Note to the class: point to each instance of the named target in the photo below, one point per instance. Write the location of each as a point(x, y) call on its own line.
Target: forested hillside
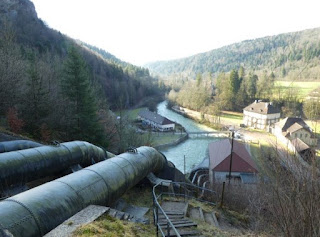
point(53, 87)
point(286, 55)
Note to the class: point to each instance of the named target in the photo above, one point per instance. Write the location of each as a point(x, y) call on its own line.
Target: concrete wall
point(178, 141)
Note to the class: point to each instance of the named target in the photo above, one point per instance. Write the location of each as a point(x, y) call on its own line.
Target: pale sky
point(141, 31)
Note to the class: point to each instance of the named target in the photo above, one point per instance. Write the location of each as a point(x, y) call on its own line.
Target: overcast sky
point(141, 31)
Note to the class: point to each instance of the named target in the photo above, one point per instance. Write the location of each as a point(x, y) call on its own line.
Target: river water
point(194, 149)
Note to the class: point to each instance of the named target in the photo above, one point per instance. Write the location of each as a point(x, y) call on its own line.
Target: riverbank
point(227, 119)
point(173, 143)
point(190, 152)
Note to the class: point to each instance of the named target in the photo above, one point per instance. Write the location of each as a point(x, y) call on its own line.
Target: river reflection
point(194, 149)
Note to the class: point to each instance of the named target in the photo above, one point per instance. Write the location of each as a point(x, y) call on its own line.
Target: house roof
point(154, 117)
point(299, 145)
point(294, 127)
point(220, 155)
point(262, 108)
point(291, 124)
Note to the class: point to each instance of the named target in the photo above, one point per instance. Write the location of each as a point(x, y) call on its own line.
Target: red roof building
point(243, 167)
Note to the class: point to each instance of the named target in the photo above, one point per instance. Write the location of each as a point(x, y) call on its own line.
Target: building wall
point(167, 127)
point(302, 133)
point(305, 136)
point(260, 121)
point(220, 177)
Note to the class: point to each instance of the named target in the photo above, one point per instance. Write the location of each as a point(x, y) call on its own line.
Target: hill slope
point(30, 33)
point(284, 54)
point(37, 92)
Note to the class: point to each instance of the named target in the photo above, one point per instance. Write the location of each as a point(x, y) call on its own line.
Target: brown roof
point(292, 124)
point(294, 127)
point(262, 108)
point(220, 155)
point(299, 145)
point(157, 118)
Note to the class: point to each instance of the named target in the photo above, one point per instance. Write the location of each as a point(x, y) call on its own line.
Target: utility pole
point(232, 136)
point(184, 164)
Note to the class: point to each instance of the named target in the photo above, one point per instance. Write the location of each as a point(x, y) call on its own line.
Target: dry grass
point(107, 226)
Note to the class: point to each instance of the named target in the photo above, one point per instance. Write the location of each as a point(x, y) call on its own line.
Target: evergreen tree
point(242, 73)
point(234, 82)
point(252, 86)
point(35, 106)
point(82, 117)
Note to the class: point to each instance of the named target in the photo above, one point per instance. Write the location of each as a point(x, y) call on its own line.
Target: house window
point(306, 135)
point(300, 135)
point(296, 135)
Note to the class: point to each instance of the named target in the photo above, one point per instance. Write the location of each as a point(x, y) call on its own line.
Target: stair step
point(185, 233)
point(171, 217)
point(184, 225)
point(174, 212)
point(173, 206)
point(176, 222)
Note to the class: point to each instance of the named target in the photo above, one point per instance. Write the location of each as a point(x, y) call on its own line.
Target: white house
point(293, 128)
point(156, 121)
point(260, 115)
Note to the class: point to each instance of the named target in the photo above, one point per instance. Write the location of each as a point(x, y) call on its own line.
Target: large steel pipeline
point(39, 210)
point(17, 145)
point(20, 167)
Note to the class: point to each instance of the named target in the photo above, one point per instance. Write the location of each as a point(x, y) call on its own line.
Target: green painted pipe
point(39, 210)
point(20, 167)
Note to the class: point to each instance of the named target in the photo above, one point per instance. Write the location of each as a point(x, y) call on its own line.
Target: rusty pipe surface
point(39, 210)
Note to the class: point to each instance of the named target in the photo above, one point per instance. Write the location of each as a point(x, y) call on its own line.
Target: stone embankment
point(174, 143)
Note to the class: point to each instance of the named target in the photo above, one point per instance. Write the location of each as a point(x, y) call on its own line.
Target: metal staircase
point(170, 206)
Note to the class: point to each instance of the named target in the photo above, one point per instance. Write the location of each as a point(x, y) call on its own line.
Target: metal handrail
point(158, 207)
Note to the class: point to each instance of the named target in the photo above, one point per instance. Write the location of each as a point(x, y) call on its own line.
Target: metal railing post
point(157, 216)
point(161, 192)
point(168, 229)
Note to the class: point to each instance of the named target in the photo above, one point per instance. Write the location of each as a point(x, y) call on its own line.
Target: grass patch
point(315, 126)
point(139, 196)
point(130, 114)
point(236, 218)
point(107, 226)
point(204, 206)
point(303, 89)
point(164, 138)
point(231, 117)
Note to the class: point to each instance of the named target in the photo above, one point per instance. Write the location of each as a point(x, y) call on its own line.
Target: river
point(194, 149)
